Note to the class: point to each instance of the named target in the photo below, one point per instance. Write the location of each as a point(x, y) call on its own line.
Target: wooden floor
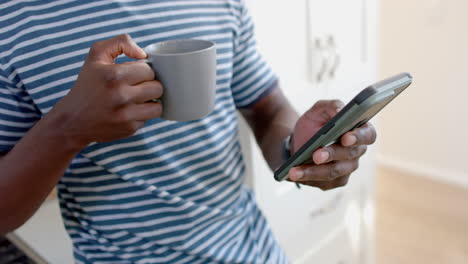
point(420, 221)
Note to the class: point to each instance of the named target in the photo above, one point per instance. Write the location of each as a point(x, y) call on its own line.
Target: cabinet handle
point(334, 55)
point(324, 59)
point(327, 58)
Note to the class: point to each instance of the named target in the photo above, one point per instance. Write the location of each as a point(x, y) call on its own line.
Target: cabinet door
point(288, 34)
point(341, 45)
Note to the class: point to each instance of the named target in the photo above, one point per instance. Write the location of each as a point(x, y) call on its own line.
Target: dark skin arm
point(30, 171)
point(273, 118)
point(108, 102)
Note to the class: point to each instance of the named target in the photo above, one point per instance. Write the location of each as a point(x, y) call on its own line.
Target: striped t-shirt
point(173, 192)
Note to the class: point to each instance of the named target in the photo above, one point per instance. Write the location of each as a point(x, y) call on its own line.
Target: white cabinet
point(301, 39)
point(43, 237)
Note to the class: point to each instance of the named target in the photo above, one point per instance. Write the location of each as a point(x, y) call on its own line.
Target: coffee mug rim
point(212, 45)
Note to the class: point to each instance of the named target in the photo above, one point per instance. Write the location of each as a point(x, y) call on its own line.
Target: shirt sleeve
point(252, 77)
point(17, 114)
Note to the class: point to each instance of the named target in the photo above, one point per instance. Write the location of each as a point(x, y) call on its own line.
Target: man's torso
point(172, 192)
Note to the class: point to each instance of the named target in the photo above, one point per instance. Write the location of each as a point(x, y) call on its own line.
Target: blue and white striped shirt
point(173, 192)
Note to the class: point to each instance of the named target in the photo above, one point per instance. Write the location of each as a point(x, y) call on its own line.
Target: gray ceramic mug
point(187, 70)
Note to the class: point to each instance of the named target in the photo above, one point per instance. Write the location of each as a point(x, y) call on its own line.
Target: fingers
point(324, 110)
point(135, 73)
point(132, 83)
point(142, 112)
point(106, 51)
point(325, 172)
point(364, 135)
point(325, 186)
point(127, 73)
point(338, 152)
point(146, 91)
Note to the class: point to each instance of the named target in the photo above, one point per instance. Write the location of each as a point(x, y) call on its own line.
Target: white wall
point(425, 131)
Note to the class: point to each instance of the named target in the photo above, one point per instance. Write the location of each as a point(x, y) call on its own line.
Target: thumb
point(106, 51)
point(324, 110)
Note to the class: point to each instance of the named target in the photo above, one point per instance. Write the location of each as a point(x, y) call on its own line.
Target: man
point(135, 188)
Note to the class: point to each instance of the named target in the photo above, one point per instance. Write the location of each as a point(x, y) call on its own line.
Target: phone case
point(356, 113)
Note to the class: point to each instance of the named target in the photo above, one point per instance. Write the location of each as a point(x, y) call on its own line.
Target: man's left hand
point(332, 165)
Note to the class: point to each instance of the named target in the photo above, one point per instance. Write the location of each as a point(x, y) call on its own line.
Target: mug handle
point(147, 62)
point(155, 100)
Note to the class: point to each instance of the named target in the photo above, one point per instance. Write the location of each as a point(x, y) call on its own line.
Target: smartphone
point(356, 113)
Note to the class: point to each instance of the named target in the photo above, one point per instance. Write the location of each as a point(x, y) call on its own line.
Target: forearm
point(272, 120)
point(271, 143)
point(31, 170)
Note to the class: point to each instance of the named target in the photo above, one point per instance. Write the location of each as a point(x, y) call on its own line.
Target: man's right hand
point(109, 101)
